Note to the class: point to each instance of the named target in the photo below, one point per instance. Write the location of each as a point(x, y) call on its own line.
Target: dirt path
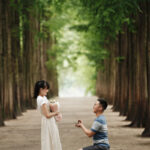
point(24, 133)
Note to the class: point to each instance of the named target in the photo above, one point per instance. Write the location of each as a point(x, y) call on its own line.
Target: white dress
point(50, 139)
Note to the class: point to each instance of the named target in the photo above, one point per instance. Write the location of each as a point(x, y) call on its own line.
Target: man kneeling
point(99, 128)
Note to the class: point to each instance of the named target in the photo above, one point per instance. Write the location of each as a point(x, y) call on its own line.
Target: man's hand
point(88, 132)
point(79, 124)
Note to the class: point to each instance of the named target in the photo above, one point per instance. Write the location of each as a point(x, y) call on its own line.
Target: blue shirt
point(100, 128)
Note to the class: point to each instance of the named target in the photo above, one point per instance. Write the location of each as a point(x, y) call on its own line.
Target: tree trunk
point(1, 69)
point(146, 132)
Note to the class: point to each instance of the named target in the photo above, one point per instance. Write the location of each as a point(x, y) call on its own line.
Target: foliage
point(85, 27)
point(80, 28)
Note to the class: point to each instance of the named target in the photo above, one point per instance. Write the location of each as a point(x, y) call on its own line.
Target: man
point(99, 128)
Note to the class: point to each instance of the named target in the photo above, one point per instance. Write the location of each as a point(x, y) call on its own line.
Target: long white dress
point(50, 139)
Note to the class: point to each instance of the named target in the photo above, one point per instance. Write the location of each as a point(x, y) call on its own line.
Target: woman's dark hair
point(40, 84)
point(103, 102)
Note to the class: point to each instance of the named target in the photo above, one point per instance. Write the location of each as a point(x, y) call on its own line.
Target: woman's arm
point(48, 114)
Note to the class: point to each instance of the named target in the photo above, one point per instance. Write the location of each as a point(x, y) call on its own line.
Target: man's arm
point(88, 132)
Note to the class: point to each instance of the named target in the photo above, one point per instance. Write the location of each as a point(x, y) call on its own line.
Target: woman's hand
point(56, 113)
point(46, 112)
point(55, 109)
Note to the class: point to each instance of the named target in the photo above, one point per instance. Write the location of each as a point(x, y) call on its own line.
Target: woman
point(50, 139)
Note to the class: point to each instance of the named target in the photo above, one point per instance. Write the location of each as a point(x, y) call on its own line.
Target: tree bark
point(146, 132)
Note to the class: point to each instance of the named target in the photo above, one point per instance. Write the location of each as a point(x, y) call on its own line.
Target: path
point(24, 133)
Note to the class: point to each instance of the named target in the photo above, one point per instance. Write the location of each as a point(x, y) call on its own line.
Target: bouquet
point(55, 107)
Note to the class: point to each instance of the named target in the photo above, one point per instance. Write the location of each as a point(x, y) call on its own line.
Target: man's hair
point(103, 102)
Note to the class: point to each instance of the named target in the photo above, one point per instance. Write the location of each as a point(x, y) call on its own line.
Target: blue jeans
point(96, 147)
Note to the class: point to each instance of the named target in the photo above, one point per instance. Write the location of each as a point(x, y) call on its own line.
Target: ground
point(24, 132)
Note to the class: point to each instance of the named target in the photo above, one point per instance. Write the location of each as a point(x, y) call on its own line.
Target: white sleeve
point(40, 102)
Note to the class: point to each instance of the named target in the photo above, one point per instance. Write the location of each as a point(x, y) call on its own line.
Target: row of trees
point(125, 81)
point(24, 43)
point(116, 40)
point(114, 35)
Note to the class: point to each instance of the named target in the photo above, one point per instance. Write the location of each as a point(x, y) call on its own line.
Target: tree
point(23, 52)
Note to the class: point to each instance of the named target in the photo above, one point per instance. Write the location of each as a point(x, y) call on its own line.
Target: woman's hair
point(40, 84)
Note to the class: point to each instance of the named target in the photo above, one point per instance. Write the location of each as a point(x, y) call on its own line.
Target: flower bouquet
point(55, 107)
